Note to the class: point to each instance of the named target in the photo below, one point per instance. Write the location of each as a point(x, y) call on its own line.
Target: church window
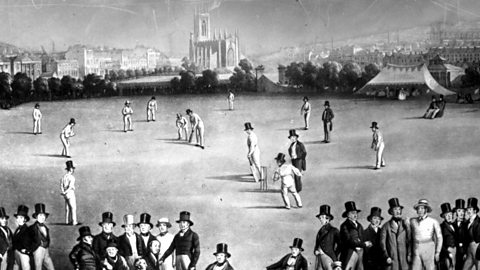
point(204, 28)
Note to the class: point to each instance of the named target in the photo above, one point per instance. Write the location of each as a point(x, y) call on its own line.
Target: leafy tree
point(175, 84)
point(54, 86)
point(130, 74)
point(66, 86)
point(310, 74)
point(5, 90)
point(21, 86)
point(187, 81)
point(350, 74)
point(138, 73)
point(332, 73)
point(471, 77)
point(208, 82)
point(92, 85)
point(40, 85)
point(122, 74)
point(371, 70)
point(240, 80)
point(295, 73)
point(113, 75)
point(188, 64)
point(245, 65)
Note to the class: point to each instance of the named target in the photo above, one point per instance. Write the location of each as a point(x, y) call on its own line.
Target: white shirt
point(37, 114)
point(133, 243)
point(195, 120)
point(252, 142)
point(231, 97)
point(67, 184)
point(426, 230)
point(127, 111)
point(182, 122)
point(377, 138)
point(152, 104)
point(306, 107)
point(67, 131)
point(294, 153)
point(165, 242)
point(286, 172)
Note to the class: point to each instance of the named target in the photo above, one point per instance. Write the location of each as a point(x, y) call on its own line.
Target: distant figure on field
point(441, 103)
point(127, 117)
point(298, 154)
point(253, 154)
point(151, 109)
point(65, 135)
point(197, 128)
point(305, 111)
point(37, 120)
point(432, 109)
point(378, 145)
point(327, 118)
point(67, 186)
point(231, 98)
point(182, 126)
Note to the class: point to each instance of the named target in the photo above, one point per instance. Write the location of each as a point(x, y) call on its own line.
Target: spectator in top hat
point(253, 154)
point(65, 135)
point(222, 256)
point(182, 127)
point(327, 244)
point(151, 109)
point(113, 260)
point(286, 172)
point(378, 145)
point(67, 186)
point(186, 245)
point(373, 256)
point(327, 117)
point(351, 235)
point(22, 240)
point(41, 239)
point(37, 120)
point(298, 154)
point(152, 255)
point(145, 227)
point(426, 237)
point(130, 243)
point(473, 235)
point(101, 240)
point(305, 111)
point(197, 128)
point(231, 98)
point(460, 232)
point(5, 240)
point(395, 239)
point(449, 250)
point(165, 238)
point(83, 257)
point(127, 117)
point(293, 260)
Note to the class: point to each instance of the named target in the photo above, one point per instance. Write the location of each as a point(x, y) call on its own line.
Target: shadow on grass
point(175, 141)
point(223, 110)
point(470, 111)
point(365, 167)
point(115, 130)
point(414, 118)
point(234, 177)
point(298, 128)
point(315, 142)
point(19, 132)
point(50, 155)
point(141, 121)
point(261, 191)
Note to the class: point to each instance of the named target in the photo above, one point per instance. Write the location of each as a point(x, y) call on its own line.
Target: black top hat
point(84, 231)
point(327, 103)
point(188, 111)
point(69, 165)
point(222, 248)
point(472, 202)
point(107, 217)
point(393, 202)
point(153, 97)
point(446, 208)
point(459, 204)
point(350, 206)
point(3, 214)
point(280, 157)
point(305, 98)
point(145, 218)
point(185, 216)
point(248, 126)
point(292, 132)
point(374, 125)
point(72, 121)
point(39, 209)
point(37, 105)
point(375, 212)
point(22, 211)
point(325, 210)
point(297, 243)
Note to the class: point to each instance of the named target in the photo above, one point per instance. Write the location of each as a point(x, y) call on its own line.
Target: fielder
point(305, 111)
point(197, 127)
point(127, 117)
point(182, 127)
point(378, 145)
point(231, 98)
point(67, 187)
point(37, 120)
point(253, 155)
point(65, 135)
point(151, 109)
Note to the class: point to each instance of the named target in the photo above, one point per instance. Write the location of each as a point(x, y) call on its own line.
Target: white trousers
point(291, 189)
point(41, 258)
point(380, 159)
point(150, 114)
point(70, 208)
point(66, 145)
point(37, 126)
point(127, 122)
point(22, 261)
point(254, 161)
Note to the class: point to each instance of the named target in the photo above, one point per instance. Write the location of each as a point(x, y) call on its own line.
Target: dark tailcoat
point(124, 247)
point(373, 256)
point(5, 241)
point(84, 258)
point(461, 242)
point(328, 239)
point(152, 264)
point(396, 244)
point(228, 266)
point(300, 264)
point(100, 243)
point(351, 238)
point(144, 248)
point(300, 162)
point(22, 239)
point(38, 237)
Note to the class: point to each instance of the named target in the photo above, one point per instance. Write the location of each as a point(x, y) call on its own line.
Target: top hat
point(69, 165)
point(292, 132)
point(375, 212)
point(128, 220)
point(248, 126)
point(222, 248)
point(472, 202)
point(39, 209)
point(305, 98)
point(3, 214)
point(164, 220)
point(459, 204)
point(107, 217)
point(127, 102)
point(280, 157)
point(350, 206)
point(325, 210)
point(145, 218)
point(153, 97)
point(374, 125)
point(188, 111)
point(72, 121)
point(112, 243)
point(185, 216)
point(424, 203)
point(37, 105)
point(393, 202)
point(84, 231)
point(297, 243)
point(327, 103)
point(446, 208)
point(22, 211)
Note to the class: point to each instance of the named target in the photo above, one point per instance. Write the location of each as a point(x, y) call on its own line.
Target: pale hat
point(128, 220)
point(164, 220)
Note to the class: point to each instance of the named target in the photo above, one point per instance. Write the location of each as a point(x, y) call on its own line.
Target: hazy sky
point(264, 25)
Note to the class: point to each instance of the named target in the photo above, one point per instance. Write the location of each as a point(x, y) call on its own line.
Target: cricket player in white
point(253, 155)
point(286, 172)
point(67, 186)
point(67, 132)
point(182, 127)
point(197, 128)
point(378, 145)
point(305, 111)
point(151, 109)
point(127, 117)
point(37, 120)
point(231, 98)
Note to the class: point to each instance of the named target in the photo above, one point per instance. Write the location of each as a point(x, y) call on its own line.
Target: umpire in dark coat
point(351, 235)
point(101, 240)
point(22, 239)
point(298, 154)
point(327, 244)
point(373, 256)
point(82, 256)
point(295, 259)
point(460, 232)
point(449, 249)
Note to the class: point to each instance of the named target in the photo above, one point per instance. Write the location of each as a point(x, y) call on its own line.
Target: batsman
point(253, 152)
